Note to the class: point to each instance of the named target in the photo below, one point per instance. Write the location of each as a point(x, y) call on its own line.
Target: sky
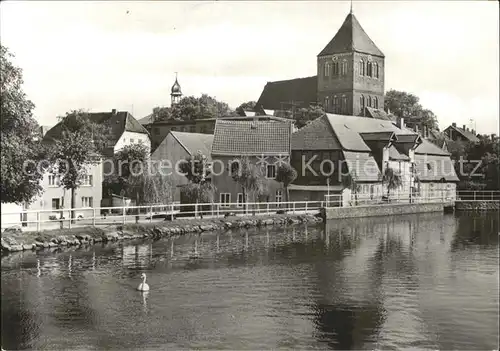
point(104, 55)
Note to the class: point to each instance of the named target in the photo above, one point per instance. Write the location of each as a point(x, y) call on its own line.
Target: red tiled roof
point(245, 138)
point(276, 95)
point(351, 37)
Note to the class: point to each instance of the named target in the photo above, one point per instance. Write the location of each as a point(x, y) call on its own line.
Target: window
point(271, 171)
point(327, 102)
point(327, 70)
point(53, 180)
point(225, 199)
point(132, 141)
point(375, 102)
point(369, 69)
point(240, 200)
point(279, 196)
point(344, 68)
point(87, 201)
point(344, 104)
point(335, 70)
point(361, 67)
point(203, 129)
point(192, 129)
point(375, 69)
point(369, 102)
point(335, 103)
point(86, 180)
point(362, 102)
point(173, 129)
point(55, 203)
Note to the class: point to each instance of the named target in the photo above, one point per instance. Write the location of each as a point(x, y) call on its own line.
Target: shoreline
point(15, 241)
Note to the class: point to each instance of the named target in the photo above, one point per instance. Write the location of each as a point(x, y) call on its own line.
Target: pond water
point(425, 281)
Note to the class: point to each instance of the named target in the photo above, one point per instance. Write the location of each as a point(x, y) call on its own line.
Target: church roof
point(351, 37)
point(278, 95)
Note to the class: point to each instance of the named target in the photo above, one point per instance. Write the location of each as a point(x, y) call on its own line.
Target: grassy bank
point(15, 240)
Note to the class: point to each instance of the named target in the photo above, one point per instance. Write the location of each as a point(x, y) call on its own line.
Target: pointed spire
point(351, 8)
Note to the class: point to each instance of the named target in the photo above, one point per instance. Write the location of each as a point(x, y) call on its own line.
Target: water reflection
point(422, 281)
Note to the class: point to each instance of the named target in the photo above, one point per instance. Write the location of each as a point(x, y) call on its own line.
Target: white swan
point(143, 286)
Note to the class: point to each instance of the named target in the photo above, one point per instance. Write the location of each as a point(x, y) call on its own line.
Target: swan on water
point(143, 286)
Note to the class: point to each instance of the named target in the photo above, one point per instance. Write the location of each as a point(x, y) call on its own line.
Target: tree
point(246, 106)
point(286, 174)
point(78, 147)
point(130, 165)
point(249, 176)
point(191, 108)
point(305, 115)
point(20, 141)
point(406, 105)
point(162, 113)
point(392, 179)
point(197, 171)
point(350, 181)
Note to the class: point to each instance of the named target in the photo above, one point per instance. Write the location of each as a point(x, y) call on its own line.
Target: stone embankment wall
point(477, 206)
point(381, 210)
point(15, 240)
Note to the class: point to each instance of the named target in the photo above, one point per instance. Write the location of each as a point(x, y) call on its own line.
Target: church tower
point(351, 71)
point(175, 93)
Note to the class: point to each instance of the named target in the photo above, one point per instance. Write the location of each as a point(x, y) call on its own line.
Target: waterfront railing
point(104, 216)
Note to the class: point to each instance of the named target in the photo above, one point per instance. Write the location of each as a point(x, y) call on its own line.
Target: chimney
point(113, 111)
point(454, 124)
point(464, 127)
point(401, 122)
point(473, 131)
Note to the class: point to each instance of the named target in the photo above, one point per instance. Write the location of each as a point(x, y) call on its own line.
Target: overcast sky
point(123, 55)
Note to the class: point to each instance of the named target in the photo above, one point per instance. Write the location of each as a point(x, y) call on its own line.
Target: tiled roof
point(396, 155)
point(118, 122)
point(363, 165)
point(245, 138)
point(465, 133)
point(276, 95)
point(435, 168)
point(379, 136)
point(317, 135)
point(377, 113)
point(146, 120)
point(194, 142)
point(351, 37)
point(348, 130)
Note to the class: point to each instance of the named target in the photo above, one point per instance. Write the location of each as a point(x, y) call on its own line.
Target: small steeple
point(351, 8)
point(175, 92)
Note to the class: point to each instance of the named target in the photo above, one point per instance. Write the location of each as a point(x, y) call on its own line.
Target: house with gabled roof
point(461, 134)
point(176, 147)
point(124, 130)
point(266, 142)
point(330, 147)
